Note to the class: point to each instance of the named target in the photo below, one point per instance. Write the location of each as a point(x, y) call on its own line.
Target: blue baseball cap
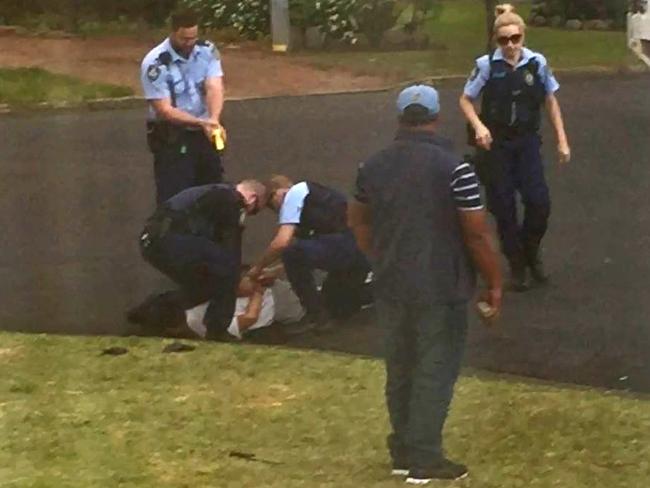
point(423, 95)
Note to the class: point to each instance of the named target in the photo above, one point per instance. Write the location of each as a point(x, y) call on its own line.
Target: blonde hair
point(503, 8)
point(509, 18)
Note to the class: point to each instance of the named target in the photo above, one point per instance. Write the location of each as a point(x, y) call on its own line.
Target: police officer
point(195, 239)
point(418, 215)
point(182, 81)
point(515, 83)
point(313, 234)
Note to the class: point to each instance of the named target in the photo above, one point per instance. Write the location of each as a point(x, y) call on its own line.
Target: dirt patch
point(7, 354)
point(249, 71)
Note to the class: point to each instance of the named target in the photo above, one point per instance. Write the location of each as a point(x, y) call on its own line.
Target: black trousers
point(190, 160)
point(204, 270)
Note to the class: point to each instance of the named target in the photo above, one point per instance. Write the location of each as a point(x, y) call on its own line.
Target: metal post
point(280, 25)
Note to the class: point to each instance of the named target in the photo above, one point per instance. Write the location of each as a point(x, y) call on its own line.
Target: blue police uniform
point(511, 104)
point(324, 242)
point(195, 239)
point(183, 156)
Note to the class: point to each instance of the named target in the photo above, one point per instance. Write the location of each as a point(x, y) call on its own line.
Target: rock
point(333, 44)
point(8, 30)
point(361, 42)
point(395, 39)
point(400, 39)
point(296, 38)
point(314, 38)
point(57, 34)
point(540, 21)
point(421, 40)
point(573, 24)
point(595, 25)
point(556, 21)
point(542, 8)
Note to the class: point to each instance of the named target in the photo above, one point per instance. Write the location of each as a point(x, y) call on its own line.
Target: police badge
point(529, 78)
point(153, 72)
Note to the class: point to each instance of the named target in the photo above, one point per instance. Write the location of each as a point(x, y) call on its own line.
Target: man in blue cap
point(418, 216)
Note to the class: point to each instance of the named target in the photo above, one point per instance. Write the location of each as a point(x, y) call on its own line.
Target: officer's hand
point(209, 126)
point(483, 138)
point(254, 273)
point(564, 152)
point(489, 305)
point(266, 279)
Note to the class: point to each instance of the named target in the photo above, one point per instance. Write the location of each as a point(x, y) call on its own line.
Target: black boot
point(518, 277)
point(536, 265)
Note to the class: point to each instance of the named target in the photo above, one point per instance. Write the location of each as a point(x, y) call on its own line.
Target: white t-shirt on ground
point(279, 304)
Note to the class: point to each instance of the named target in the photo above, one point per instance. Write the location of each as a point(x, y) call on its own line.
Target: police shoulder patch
point(153, 72)
point(474, 74)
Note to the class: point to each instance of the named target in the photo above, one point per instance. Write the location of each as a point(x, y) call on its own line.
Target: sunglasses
point(505, 40)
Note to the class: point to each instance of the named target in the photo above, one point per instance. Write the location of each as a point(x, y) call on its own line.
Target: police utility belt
point(161, 133)
point(165, 221)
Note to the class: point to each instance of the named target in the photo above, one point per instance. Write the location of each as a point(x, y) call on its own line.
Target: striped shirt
point(465, 189)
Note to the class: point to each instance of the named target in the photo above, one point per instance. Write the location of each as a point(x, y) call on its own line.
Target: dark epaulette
point(164, 58)
point(208, 44)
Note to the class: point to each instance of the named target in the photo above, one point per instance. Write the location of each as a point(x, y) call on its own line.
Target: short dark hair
point(415, 115)
point(184, 18)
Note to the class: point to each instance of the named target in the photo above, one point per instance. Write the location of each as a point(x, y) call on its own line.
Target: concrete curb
point(139, 102)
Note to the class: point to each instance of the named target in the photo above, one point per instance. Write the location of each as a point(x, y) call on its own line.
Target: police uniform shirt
point(294, 202)
point(481, 73)
point(216, 209)
point(161, 72)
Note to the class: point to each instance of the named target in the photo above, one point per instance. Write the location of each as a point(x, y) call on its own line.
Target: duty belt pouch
point(161, 135)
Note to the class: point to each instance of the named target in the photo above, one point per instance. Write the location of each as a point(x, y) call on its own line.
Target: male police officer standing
point(515, 83)
point(418, 215)
point(182, 80)
point(313, 234)
point(195, 239)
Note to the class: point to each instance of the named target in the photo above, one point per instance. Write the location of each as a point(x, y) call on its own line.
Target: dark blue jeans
point(346, 268)
point(516, 166)
point(189, 161)
point(423, 352)
point(204, 271)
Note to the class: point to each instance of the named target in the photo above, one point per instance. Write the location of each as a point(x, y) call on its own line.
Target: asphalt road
point(76, 188)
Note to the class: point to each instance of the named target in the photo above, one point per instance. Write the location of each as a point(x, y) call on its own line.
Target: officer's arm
point(166, 111)
point(280, 242)
point(555, 117)
point(482, 249)
point(360, 221)
point(214, 95)
point(469, 110)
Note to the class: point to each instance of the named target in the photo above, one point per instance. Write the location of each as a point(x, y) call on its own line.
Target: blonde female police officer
point(514, 83)
point(182, 81)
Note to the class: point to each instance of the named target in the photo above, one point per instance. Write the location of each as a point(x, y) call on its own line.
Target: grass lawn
point(29, 86)
point(458, 37)
point(72, 418)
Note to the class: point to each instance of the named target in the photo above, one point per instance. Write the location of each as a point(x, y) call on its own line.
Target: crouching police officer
point(313, 234)
point(182, 81)
point(195, 239)
point(515, 83)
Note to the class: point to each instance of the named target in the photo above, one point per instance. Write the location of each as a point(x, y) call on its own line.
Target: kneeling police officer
point(313, 234)
point(195, 238)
